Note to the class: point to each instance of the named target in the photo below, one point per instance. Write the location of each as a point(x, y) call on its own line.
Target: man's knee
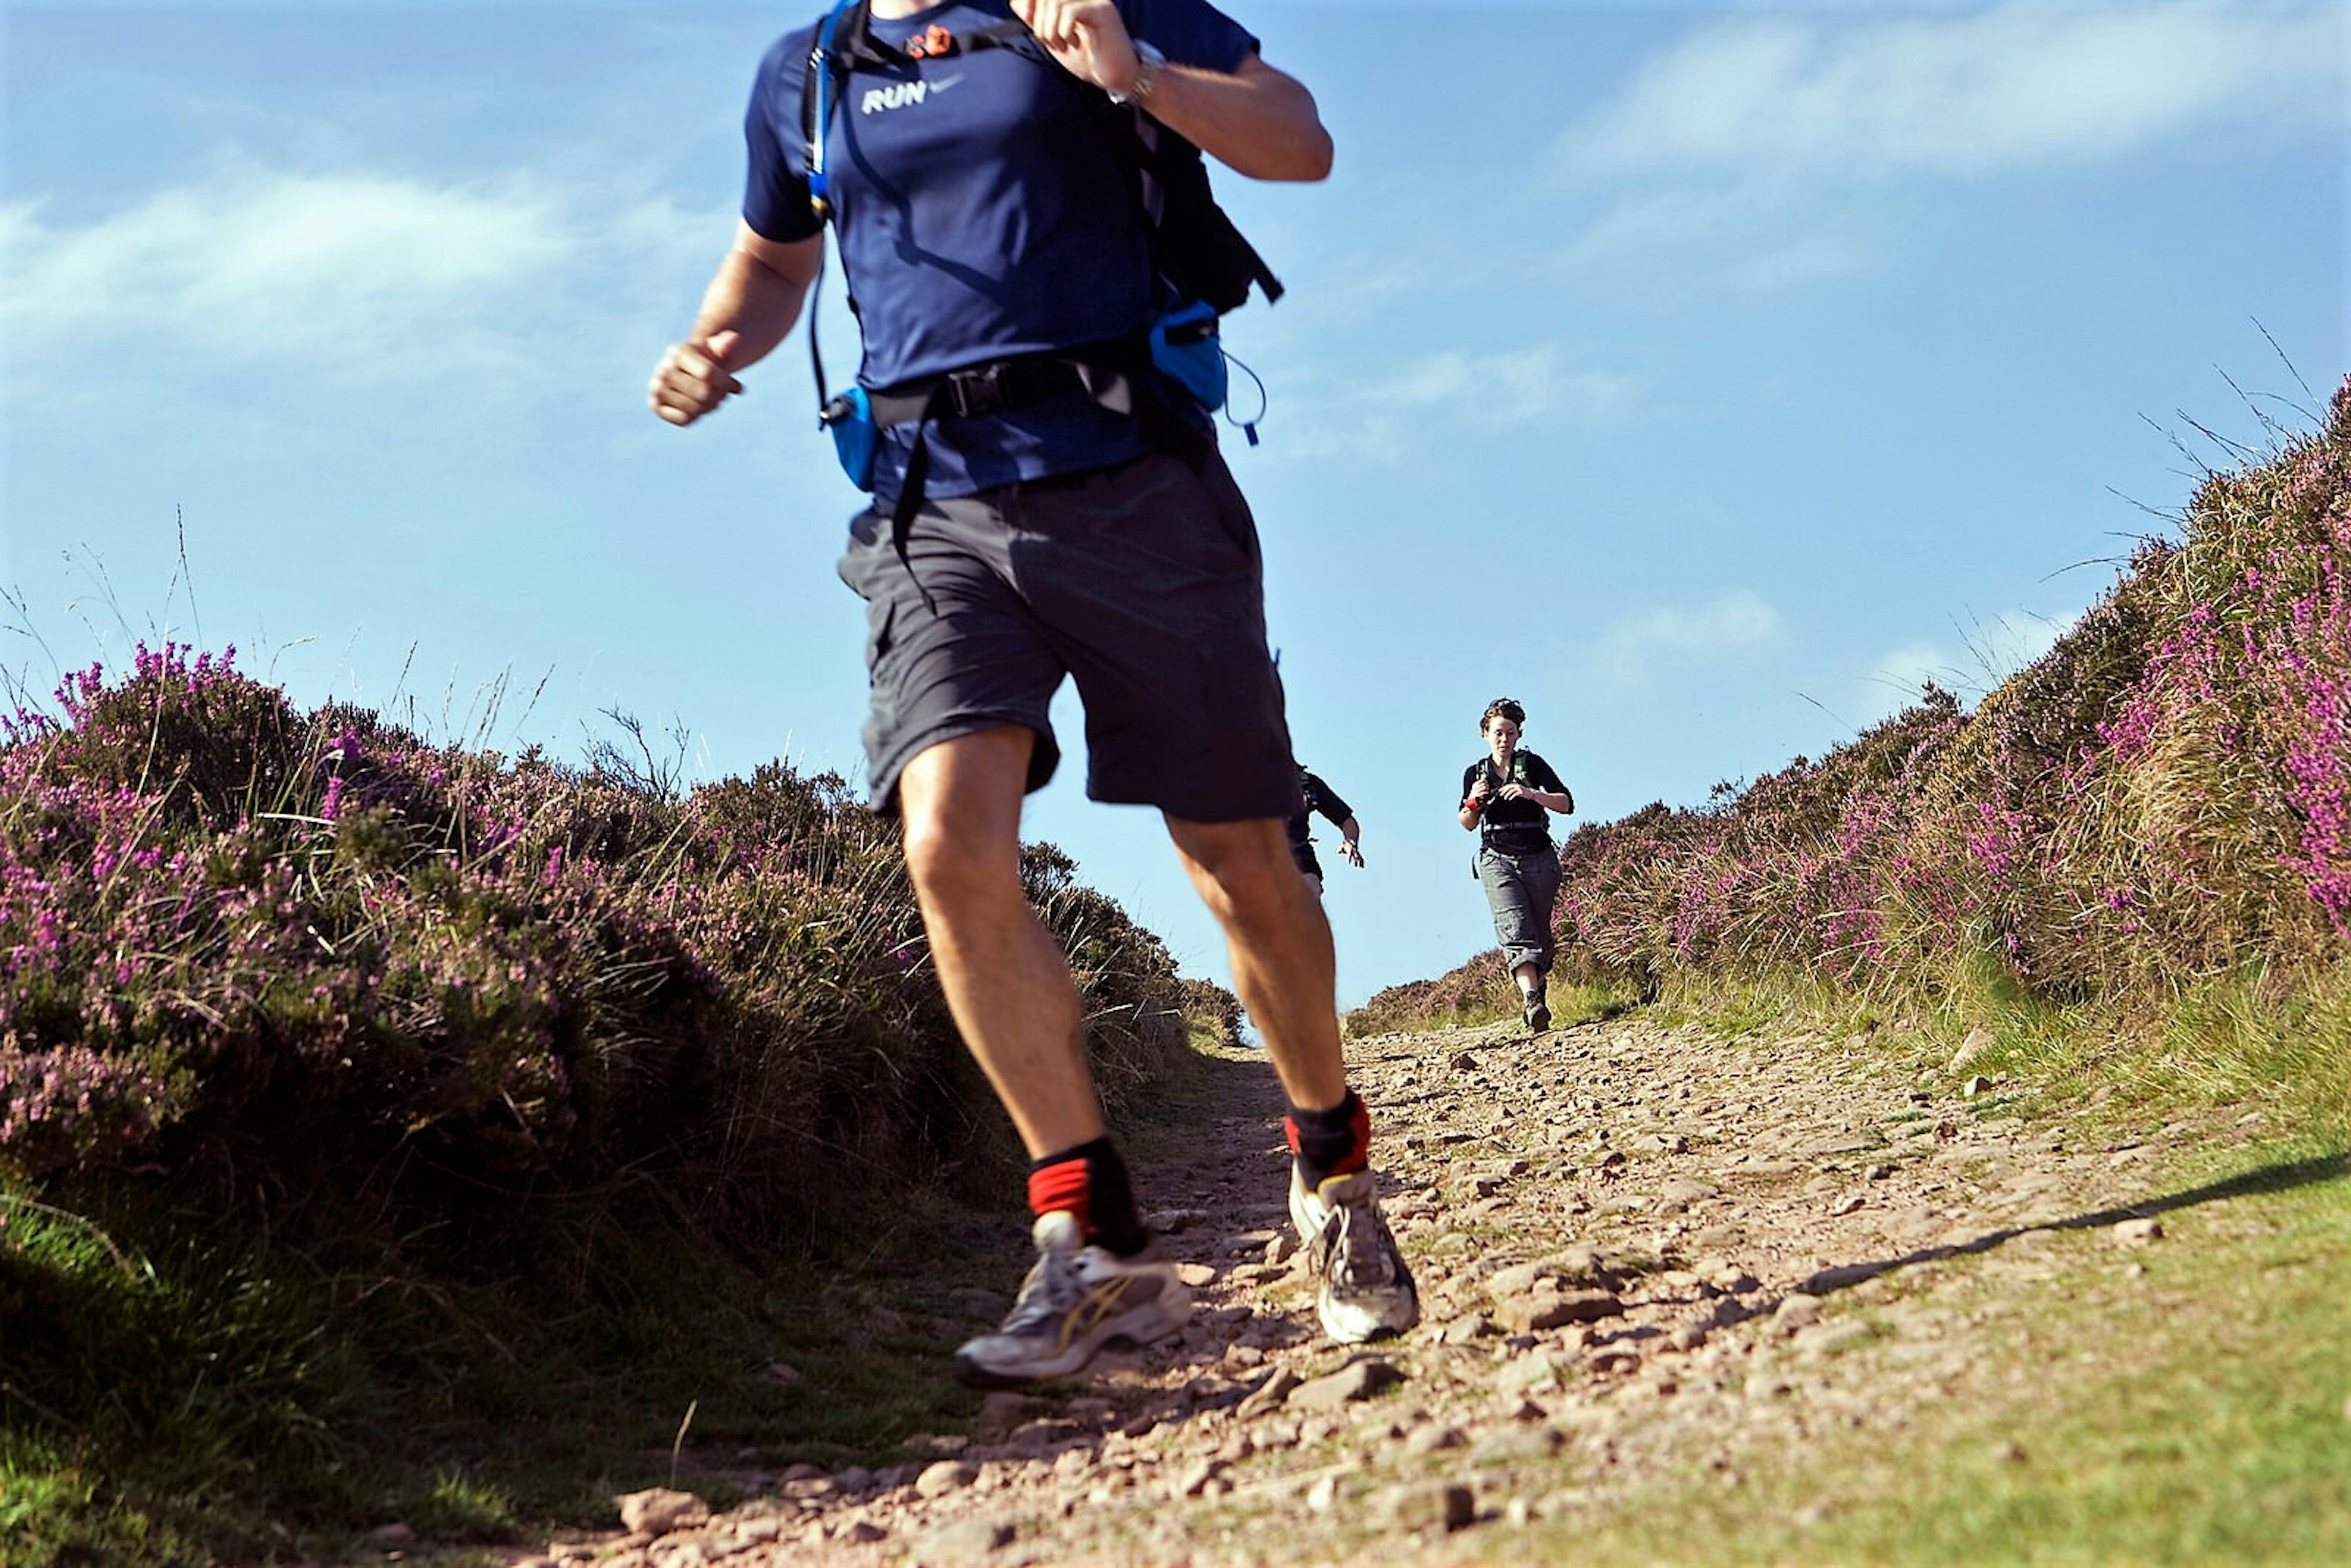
point(949, 867)
point(960, 807)
point(1249, 861)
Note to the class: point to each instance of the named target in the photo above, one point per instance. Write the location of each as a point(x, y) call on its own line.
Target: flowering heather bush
point(279, 954)
point(2165, 796)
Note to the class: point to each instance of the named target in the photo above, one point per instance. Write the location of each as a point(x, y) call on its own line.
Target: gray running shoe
point(1366, 1290)
point(1537, 1015)
point(1076, 1299)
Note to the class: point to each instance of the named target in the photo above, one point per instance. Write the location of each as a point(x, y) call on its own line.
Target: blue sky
point(1705, 376)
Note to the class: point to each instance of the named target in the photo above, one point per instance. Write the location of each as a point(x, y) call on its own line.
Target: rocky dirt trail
point(1642, 1250)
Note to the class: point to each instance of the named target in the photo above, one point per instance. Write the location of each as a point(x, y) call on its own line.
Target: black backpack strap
point(1201, 251)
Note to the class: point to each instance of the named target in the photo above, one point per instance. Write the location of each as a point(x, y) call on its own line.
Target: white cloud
point(350, 275)
point(2015, 87)
point(1385, 416)
point(1633, 651)
point(1512, 386)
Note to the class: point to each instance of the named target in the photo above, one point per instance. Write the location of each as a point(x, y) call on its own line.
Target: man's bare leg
point(1007, 984)
point(1096, 1278)
point(1279, 941)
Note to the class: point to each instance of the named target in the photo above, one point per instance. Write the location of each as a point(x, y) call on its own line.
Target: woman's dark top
point(1513, 827)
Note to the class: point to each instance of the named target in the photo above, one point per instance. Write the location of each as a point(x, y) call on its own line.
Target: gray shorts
point(1143, 581)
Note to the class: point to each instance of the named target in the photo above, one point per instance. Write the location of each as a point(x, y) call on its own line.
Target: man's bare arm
point(751, 304)
point(1256, 121)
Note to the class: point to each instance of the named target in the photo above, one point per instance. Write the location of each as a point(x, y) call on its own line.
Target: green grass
point(172, 1400)
point(2197, 1412)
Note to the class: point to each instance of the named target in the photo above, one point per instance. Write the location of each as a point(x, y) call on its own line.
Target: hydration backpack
point(1196, 247)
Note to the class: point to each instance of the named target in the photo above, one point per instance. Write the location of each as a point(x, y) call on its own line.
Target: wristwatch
point(1148, 63)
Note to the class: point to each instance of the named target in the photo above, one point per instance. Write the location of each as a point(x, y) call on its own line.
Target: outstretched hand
point(1089, 37)
point(1350, 851)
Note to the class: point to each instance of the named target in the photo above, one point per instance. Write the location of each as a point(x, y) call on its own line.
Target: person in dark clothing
point(1055, 511)
point(1321, 798)
point(1506, 798)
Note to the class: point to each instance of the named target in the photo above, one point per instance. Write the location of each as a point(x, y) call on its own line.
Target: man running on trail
point(1055, 527)
point(1319, 798)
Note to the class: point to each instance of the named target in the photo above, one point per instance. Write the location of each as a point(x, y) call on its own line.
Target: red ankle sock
point(1091, 1183)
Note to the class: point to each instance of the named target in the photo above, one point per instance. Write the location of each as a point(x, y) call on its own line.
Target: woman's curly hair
point(1502, 708)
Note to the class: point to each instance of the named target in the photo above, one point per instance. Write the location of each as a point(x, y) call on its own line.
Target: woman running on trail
point(1507, 797)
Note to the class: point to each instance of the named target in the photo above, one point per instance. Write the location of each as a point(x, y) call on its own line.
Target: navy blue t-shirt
point(979, 214)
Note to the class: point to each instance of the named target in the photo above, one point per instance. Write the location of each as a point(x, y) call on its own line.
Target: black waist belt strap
point(1117, 375)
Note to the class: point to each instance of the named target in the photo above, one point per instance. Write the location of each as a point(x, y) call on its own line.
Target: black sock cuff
point(1106, 1210)
point(1336, 1142)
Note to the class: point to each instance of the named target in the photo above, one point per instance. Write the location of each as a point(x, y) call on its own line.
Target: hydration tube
point(820, 59)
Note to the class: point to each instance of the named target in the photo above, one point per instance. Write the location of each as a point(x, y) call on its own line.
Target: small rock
point(865, 1533)
point(1796, 1310)
point(1279, 1386)
point(1429, 1439)
point(1519, 1278)
point(658, 1511)
point(1465, 1062)
point(1463, 1330)
point(1527, 1374)
point(1687, 1190)
point(1525, 1441)
point(1358, 1380)
point(1322, 1494)
point(1979, 1040)
point(962, 1541)
point(785, 1373)
point(1974, 1087)
point(1195, 1476)
point(1281, 1249)
point(1850, 1204)
point(399, 1534)
point(1196, 1273)
point(1552, 1309)
point(2009, 1453)
point(1002, 1413)
point(2136, 1232)
point(944, 1477)
point(1437, 1506)
point(1171, 1221)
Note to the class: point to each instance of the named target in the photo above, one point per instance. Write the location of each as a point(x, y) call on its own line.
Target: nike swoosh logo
point(945, 83)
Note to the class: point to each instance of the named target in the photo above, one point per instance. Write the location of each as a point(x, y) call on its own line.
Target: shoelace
point(1359, 1257)
point(1052, 1289)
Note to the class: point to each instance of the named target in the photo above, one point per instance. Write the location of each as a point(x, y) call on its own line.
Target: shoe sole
point(1352, 1332)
